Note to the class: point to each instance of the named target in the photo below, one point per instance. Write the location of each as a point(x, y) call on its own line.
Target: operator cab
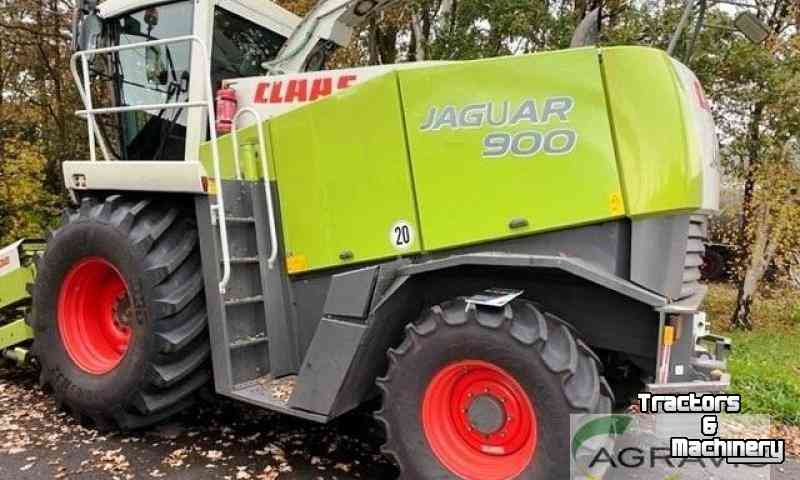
point(241, 36)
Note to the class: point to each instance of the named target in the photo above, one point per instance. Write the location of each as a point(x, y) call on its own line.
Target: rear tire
point(529, 367)
point(128, 271)
point(714, 265)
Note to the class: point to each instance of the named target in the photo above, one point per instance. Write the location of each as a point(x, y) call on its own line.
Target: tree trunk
point(747, 242)
point(766, 239)
point(746, 291)
point(742, 315)
point(412, 49)
point(445, 9)
point(753, 155)
point(419, 37)
point(757, 250)
point(374, 53)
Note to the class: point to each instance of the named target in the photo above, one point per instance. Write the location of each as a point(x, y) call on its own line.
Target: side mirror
point(752, 27)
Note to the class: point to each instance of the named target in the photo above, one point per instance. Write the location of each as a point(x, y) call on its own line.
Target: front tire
point(480, 393)
point(119, 314)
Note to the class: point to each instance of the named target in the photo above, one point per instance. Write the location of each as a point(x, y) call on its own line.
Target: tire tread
point(562, 353)
point(166, 240)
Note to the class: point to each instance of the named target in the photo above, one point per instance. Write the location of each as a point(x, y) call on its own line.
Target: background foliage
point(38, 130)
point(755, 91)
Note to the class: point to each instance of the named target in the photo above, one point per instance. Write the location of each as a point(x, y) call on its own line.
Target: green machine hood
point(463, 153)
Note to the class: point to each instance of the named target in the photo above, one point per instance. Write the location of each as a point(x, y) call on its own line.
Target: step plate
point(280, 389)
point(274, 394)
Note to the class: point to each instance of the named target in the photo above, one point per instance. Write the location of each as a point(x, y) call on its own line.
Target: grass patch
point(765, 370)
point(765, 364)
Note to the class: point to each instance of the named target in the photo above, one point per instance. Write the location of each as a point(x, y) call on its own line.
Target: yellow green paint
point(648, 111)
point(14, 333)
point(13, 292)
point(350, 167)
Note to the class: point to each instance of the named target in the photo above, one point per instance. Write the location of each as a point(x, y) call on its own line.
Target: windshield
point(152, 75)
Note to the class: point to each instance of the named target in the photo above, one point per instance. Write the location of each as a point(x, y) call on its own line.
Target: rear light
point(227, 105)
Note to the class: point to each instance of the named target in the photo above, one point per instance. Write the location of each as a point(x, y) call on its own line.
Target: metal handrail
point(138, 108)
point(262, 152)
point(84, 88)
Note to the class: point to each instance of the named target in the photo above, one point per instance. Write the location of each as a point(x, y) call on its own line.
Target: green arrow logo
point(609, 426)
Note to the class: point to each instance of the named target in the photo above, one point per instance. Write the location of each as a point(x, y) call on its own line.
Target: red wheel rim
point(94, 311)
point(479, 421)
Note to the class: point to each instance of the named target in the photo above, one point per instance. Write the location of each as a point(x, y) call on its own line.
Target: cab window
point(241, 47)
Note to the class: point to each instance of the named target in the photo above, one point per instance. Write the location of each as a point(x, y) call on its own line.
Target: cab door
point(150, 75)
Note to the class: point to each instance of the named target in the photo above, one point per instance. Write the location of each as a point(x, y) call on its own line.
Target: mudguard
point(348, 353)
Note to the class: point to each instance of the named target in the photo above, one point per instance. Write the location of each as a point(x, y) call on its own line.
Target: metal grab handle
point(84, 88)
point(262, 152)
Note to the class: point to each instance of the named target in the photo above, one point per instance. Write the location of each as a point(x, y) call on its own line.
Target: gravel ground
point(216, 440)
point(219, 439)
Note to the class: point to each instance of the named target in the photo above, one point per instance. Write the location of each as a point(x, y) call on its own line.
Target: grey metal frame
point(328, 332)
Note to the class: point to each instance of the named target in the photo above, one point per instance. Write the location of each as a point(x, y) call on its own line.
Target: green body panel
point(14, 294)
point(15, 333)
point(13, 286)
point(351, 166)
point(660, 171)
point(343, 176)
point(465, 197)
point(14, 282)
point(249, 160)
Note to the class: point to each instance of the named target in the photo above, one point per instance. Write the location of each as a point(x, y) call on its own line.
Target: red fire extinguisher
point(227, 105)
